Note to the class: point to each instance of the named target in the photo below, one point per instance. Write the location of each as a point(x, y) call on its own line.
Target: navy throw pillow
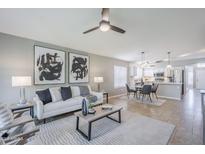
point(44, 96)
point(84, 91)
point(66, 93)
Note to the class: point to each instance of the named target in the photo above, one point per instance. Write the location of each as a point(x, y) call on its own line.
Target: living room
point(88, 76)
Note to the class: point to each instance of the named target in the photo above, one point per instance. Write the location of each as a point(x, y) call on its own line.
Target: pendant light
point(142, 60)
point(142, 57)
point(142, 65)
point(169, 60)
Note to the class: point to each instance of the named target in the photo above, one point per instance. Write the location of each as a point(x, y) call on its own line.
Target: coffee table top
point(98, 114)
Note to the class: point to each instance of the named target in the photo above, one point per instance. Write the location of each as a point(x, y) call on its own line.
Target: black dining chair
point(129, 91)
point(138, 87)
point(154, 89)
point(146, 91)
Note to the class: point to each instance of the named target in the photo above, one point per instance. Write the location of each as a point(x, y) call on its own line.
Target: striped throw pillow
point(6, 116)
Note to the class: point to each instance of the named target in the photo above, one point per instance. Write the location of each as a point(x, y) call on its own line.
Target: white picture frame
point(49, 66)
point(79, 68)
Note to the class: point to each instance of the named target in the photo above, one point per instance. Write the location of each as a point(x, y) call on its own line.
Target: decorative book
point(106, 107)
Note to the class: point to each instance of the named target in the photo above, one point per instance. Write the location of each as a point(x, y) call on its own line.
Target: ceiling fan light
point(104, 27)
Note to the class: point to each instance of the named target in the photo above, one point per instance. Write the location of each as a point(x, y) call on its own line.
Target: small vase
point(84, 107)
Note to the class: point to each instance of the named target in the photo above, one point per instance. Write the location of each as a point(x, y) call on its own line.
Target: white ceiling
point(154, 31)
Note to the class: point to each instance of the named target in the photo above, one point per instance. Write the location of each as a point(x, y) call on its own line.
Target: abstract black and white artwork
point(78, 68)
point(49, 66)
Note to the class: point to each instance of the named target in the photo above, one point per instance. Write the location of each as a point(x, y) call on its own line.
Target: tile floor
point(185, 114)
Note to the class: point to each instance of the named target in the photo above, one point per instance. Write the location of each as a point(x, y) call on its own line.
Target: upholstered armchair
point(16, 129)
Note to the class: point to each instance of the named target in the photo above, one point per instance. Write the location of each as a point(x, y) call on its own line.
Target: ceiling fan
point(104, 24)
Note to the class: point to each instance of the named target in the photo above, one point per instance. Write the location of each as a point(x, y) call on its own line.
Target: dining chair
point(129, 91)
point(146, 91)
point(154, 89)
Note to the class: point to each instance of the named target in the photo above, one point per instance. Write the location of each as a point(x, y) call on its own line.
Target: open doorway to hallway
point(189, 77)
point(194, 76)
point(200, 74)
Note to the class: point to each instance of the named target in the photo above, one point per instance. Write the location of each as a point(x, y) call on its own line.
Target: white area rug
point(134, 129)
point(156, 102)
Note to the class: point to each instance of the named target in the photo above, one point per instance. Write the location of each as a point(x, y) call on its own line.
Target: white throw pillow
point(6, 116)
point(55, 94)
point(75, 91)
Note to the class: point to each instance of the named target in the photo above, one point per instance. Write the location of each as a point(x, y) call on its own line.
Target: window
point(148, 72)
point(120, 76)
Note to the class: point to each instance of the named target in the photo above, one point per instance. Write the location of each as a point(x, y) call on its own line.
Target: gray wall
point(16, 58)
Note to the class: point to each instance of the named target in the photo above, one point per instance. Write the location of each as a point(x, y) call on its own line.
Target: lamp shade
point(21, 81)
point(98, 79)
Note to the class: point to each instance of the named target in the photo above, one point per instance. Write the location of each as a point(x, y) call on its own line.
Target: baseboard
point(173, 98)
point(115, 96)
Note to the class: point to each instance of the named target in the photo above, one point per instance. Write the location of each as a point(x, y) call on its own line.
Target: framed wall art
point(78, 68)
point(49, 66)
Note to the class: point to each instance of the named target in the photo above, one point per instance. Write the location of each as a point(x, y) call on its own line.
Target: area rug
point(155, 102)
point(135, 129)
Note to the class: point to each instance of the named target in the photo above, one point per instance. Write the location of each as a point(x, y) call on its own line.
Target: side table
point(106, 95)
point(17, 107)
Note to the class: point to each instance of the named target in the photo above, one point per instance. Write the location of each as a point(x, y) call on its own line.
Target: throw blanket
point(91, 98)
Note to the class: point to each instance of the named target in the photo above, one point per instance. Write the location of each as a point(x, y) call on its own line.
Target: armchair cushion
point(6, 116)
point(44, 96)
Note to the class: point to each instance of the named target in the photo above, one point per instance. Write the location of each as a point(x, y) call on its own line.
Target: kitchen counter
point(170, 90)
point(170, 83)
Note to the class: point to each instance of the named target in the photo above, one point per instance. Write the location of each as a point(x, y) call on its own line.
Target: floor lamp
point(98, 80)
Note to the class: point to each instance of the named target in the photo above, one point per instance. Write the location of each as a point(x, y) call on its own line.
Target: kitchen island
point(170, 90)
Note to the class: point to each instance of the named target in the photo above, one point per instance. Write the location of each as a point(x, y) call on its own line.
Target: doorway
point(189, 77)
point(200, 80)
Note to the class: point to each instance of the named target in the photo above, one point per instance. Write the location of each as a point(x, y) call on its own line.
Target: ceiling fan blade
point(105, 14)
point(90, 30)
point(117, 29)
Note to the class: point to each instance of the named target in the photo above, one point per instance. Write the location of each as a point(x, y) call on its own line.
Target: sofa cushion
point(84, 91)
point(55, 94)
point(63, 104)
point(6, 116)
point(75, 91)
point(44, 96)
point(66, 93)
